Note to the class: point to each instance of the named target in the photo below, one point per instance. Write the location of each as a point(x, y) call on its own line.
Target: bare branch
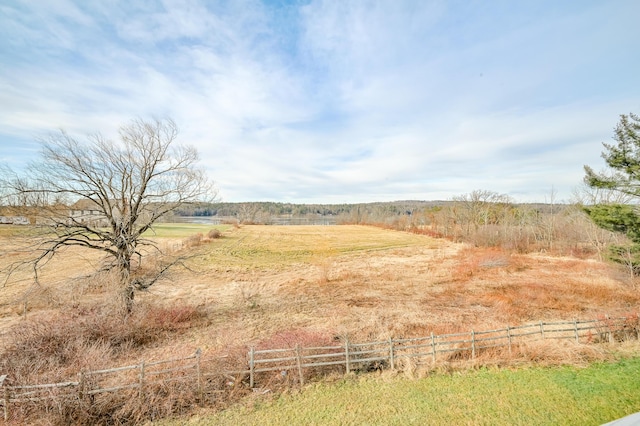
point(103, 195)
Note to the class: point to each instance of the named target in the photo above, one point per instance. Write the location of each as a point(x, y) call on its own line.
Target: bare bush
point(193, 241)
point(57, 348)
point(214, 234)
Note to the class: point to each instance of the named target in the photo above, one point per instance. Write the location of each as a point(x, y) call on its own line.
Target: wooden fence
point(386, 354)
point(193, 370)
point(296, 363)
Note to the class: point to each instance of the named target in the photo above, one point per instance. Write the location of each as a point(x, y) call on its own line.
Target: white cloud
point(333, 101)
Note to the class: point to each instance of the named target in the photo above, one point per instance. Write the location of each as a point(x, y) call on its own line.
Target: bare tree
point(248, 212)
point(481, 208)
point(585, 195)
point(118, 190)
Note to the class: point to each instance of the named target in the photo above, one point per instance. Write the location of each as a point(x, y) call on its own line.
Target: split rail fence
point(294, 364)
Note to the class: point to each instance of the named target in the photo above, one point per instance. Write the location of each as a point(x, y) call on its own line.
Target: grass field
point(360, 281)
point(265, 285)
point(531, 396)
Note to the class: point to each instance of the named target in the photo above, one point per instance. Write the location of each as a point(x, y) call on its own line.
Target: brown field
point(261, 284)
point(276, 287)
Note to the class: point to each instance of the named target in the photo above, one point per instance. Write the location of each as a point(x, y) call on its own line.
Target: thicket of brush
point(523, 229)
point(57, 348)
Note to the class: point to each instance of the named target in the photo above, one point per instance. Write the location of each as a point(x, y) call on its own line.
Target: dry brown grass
point(56, 348)
point(360, 281)
point(261, 284)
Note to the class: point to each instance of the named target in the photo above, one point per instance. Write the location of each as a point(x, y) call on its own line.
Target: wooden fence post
point(346, 355)
point(5, 396)
point(392, 359)
point(251, 367)
point(81, 385)
point(575, 330)
point(299, 362)
point(433, 349)
point(141, 381)
point(542, 329)
point(473, 344)
point(509, 337)
point(198, 373)
point(606, 317)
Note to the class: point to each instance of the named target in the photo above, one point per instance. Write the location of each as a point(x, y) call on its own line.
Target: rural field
point(274, 286)
point(371, 283)
point(363, 281)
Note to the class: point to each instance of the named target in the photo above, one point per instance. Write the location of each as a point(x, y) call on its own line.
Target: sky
point(338, 101)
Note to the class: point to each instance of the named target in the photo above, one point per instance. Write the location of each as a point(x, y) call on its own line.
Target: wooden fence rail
point(346, 357)
point(423, 350)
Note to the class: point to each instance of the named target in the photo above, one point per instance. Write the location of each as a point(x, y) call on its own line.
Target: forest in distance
point(261, 212)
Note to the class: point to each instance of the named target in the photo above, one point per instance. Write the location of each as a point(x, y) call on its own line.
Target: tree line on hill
point(259, 212)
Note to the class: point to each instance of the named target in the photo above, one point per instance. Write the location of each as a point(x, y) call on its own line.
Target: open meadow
point(275, 286)
point(261, 282)
point(371, 283)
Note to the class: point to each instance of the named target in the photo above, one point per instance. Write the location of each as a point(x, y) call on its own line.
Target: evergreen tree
point(622, 158)
point(623, 175)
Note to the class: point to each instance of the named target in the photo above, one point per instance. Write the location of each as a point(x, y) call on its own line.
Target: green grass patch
point(540, 396)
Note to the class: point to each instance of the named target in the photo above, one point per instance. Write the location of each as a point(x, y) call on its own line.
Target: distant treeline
point(253, 210)
point(358, 212)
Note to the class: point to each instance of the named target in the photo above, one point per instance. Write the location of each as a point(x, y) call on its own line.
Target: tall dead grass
point(56, 348)
point(546, 353)
point(293, 338)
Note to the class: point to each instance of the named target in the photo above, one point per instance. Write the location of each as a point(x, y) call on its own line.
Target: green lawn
point(531, 396)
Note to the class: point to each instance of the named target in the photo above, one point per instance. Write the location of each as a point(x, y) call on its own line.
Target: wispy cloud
point(333, 101)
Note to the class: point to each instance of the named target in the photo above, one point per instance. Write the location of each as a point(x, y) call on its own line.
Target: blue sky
point(334, 101)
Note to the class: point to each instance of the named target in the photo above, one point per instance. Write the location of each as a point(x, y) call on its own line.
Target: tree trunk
point(127, 298)
point(126, 286)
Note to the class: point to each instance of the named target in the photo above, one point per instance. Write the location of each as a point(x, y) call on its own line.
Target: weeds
point(193, 241)
point(214, 234)
point(250, 294)
point(312, 342)
point(53, 349)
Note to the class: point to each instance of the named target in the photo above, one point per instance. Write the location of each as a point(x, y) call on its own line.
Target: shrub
point(171, 318)
point(214, 234)
point(57, 348)
point(194, 240)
